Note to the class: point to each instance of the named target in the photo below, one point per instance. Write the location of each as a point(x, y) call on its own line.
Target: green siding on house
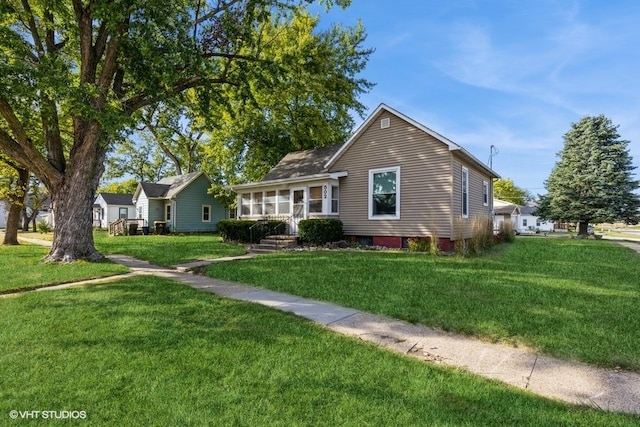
point(187, 215)
point(156, 211)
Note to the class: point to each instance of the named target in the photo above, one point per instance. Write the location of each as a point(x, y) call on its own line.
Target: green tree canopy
point(74, 74)
point(504, 189)
point(127, 186)
point(592, 181)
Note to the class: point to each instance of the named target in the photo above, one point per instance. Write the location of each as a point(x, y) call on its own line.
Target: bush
point(481, 234)
point(419, 244)
point(43, 227)
point(424, 244)
point(507, 233)
point(236, 230)
point(320, 231)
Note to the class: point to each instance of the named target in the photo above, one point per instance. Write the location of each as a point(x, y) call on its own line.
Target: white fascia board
point(293, 180)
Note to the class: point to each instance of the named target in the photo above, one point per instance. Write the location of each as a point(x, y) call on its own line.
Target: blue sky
point(512, 73)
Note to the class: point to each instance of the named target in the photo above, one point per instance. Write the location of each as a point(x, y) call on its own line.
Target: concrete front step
point(274, 244)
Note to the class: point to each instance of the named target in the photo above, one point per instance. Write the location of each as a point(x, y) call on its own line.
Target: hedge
point(320, 231)
point(236, 230)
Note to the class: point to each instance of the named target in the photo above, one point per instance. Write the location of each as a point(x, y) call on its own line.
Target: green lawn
point(167, 250)
point(147, 351)
point(22, 268)
point(575, 299)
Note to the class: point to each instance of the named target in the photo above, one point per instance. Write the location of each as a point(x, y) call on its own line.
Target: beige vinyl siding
point(425, 180)
point(476, 206)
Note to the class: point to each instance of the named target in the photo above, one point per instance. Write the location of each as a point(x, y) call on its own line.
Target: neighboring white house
point(109, 207)
point(523, 218)
point(504, 211)
point(530, 222)
point(3, 214)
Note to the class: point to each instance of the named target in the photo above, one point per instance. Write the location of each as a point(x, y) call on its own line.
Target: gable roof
point(507, 210)
point(383, 107)
point(117, 199)
point(302, 163)
point(153, 190)
point(168, 187)
point(528, 210)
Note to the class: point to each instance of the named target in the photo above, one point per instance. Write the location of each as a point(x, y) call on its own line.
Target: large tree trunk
point(13, 224)
point(582, 228)
point(72, 204)
point(15, 208)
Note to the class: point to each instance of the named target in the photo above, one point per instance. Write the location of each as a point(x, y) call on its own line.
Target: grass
point(167, 250)
point(147, 351)
point(575, 299)
point(22, 268)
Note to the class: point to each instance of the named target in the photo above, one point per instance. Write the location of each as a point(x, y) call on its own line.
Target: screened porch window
point(257, 203)
point(245, 204)
point(315, 199)
point(270, 203)
point(335, 198)
point(284, 200)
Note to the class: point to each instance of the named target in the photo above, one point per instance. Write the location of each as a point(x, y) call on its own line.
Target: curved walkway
point(578, 383)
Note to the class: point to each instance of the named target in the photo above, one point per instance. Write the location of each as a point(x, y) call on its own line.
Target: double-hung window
point(465, 192)
point(206, 213)
point(485, 193)
point(384, 193)
point(335, 198)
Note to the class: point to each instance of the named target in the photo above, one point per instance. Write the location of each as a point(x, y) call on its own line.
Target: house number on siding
point(324, 191)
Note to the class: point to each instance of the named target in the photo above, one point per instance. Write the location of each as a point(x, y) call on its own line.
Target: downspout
point(175, 215)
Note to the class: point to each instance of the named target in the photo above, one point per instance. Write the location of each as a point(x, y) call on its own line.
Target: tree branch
point(20, 147)
point(87, 56)
point(33, 28)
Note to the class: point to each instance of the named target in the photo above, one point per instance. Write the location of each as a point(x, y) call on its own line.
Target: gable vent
point(385, 123)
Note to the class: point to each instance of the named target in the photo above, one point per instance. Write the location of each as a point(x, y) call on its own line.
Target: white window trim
point(332, 198)
point(485, 193)
point(202, 213)
point(395, 169)
point(464, 192)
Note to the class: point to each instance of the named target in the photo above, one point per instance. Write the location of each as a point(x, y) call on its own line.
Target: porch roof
point(289, 181)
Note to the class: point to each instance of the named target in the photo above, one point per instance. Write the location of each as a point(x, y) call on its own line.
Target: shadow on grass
point(148, 351)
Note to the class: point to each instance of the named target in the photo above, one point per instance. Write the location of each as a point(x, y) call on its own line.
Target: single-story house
point(3, 214)
point(523, 218)
point(181, 203)
point(393, 179)
point(530, 222)
point(109, 207)
point(505, 211)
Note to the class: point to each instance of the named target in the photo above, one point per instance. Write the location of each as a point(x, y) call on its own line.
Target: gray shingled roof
point(302, 163)
point(176, 183)
point(117, 199)
point(528, 210)
point(505, 210)
point(155, 190)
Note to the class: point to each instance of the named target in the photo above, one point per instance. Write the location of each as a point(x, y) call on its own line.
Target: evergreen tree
point(592, 181)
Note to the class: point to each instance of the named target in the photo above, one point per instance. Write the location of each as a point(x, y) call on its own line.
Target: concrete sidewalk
point(578, 383)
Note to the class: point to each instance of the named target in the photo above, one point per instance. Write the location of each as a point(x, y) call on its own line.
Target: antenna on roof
point(493, 152)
